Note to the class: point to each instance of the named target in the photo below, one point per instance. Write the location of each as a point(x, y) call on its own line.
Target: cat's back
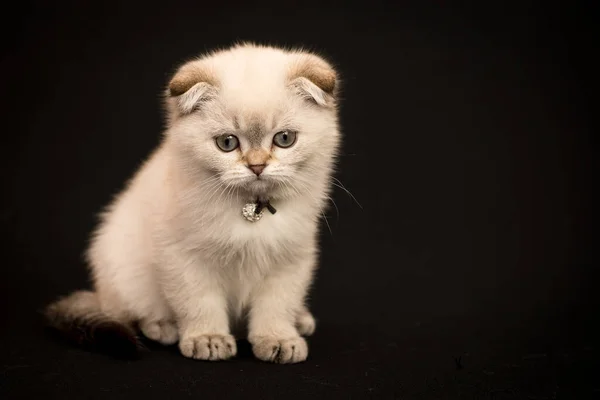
point(127, 222)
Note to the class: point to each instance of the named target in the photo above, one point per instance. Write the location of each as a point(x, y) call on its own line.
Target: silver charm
point(249, 212)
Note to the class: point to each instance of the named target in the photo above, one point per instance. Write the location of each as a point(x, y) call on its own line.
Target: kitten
point(221, 222)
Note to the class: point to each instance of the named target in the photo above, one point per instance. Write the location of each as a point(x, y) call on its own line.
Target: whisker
point(216, 190)
point(210, 179)
point(341, 186)
point(231, 190)
point(317, 202)
point(337, 210)
point(221, 192)
point(336, 182)
point(212, 189)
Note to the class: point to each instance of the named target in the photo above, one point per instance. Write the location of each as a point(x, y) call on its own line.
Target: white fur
point(173, 250)
point(188, 101)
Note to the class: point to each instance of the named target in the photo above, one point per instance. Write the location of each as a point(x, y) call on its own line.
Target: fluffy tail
point(79, 319)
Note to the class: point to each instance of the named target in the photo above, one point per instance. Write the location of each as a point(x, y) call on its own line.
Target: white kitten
point(174, 253)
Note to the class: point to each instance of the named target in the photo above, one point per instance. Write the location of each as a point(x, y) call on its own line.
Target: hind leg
point(305, 322)
point(154, 318)
point(163, 331)
point(124, 272)
point(139, 300)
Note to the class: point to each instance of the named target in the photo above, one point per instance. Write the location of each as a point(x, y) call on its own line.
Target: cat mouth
point(258, 185)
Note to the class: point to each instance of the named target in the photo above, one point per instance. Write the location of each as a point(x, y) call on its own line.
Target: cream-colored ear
point(314, 78)
point(192, 84)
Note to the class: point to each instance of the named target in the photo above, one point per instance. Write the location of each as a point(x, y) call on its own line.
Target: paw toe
point(281, 351)
point(208, 347)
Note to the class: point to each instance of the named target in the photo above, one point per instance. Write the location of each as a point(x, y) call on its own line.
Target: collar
point(253, 211)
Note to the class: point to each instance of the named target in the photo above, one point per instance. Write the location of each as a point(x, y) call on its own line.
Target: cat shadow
point(244, 348)
point(128, 351)
point(118, 349)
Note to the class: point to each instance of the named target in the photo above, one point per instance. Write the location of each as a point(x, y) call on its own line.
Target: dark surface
point(466, 274)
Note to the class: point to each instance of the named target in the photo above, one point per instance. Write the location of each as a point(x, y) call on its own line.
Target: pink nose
point(257, 168)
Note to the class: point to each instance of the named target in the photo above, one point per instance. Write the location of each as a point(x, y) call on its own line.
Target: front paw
point(281, 351)
point(208, 347)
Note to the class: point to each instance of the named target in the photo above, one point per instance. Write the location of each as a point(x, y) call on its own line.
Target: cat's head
point(260, 120)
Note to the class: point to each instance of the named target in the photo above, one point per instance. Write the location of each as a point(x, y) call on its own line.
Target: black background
point(467, 273)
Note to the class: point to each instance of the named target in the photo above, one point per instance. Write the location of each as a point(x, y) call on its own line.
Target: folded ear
point(192, 84)
point(313, 78)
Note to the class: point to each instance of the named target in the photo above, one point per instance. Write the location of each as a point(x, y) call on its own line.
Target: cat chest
point(273, 240)
point(255, 254)
point(236, 244)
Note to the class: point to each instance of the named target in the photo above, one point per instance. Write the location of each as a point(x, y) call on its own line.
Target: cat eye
point(284, 139)
point(227, 143)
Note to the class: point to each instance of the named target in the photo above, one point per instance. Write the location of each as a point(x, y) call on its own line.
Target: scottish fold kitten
point(221, 223)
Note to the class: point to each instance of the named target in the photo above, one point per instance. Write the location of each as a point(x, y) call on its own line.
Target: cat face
point(258, 132)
